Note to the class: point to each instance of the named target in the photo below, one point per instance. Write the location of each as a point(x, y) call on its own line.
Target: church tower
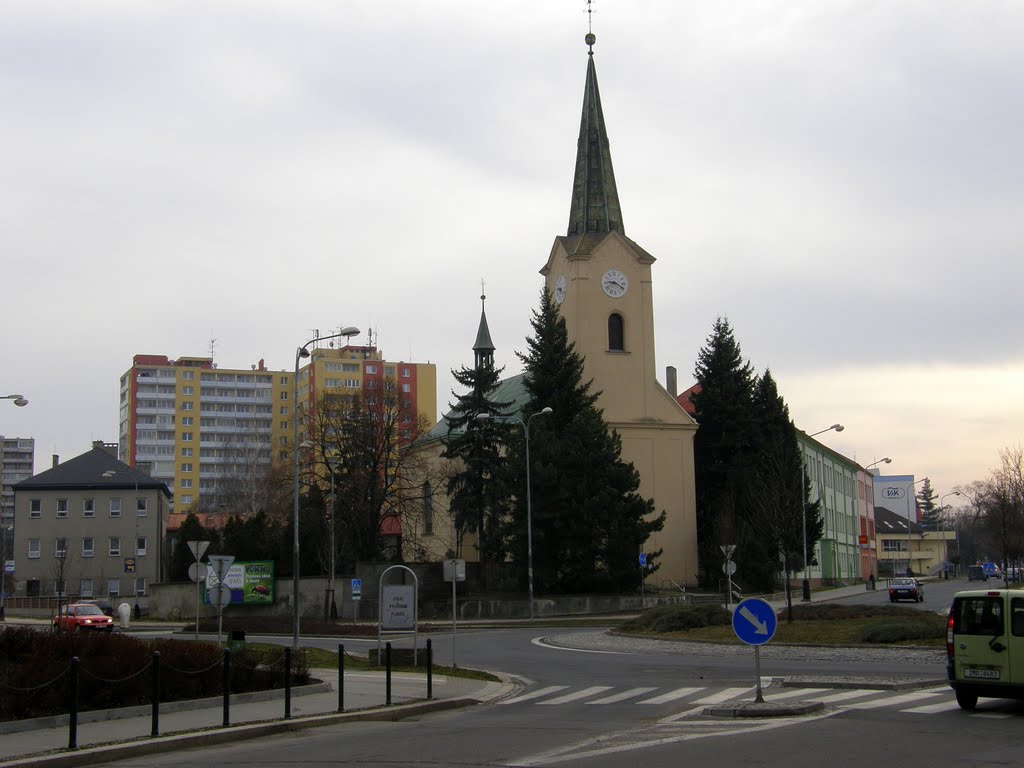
point(601, 281)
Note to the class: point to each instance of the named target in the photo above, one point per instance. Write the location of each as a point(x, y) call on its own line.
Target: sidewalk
point(115, 734)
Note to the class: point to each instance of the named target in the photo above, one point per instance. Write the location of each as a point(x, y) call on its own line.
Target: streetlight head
point(109, 474)
point(547, 409)
point(302, 352)
point(838, 427)
point(349, 331)
point(887, 460)
point(20, 401)
point(482, 417)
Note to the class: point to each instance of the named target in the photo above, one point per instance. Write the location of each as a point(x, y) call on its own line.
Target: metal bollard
point(73, 709)
point(430, 670)
point(341, 677)
point(155, 729)
point(287, 683)
point(227, 687)
point(387, 662)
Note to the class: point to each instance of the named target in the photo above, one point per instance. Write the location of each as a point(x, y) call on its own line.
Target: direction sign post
point(754, 623)
point(220, 565)
point(198, 549)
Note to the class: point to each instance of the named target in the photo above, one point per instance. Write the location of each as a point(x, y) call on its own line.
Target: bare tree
point(1003, 504)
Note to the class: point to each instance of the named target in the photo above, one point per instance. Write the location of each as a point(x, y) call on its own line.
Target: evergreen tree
point(476, 491)
point(589, 523)
point(724, 447)
point(930, 513)
point(781, 489)
point(191, 530)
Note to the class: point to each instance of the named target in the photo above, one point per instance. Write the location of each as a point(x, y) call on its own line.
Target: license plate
point(983, 674)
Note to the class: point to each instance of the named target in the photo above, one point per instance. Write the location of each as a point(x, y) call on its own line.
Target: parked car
point(103, 605)
point(906, 588)
point(985, 645)
point(976, 573)
point(82, 616)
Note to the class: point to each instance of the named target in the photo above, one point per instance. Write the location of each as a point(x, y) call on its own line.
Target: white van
point(985, 645)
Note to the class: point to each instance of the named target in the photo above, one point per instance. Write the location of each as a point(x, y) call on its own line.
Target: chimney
point(56, 460)
point(670, 381)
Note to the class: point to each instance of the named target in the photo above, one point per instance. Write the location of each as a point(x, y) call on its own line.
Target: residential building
point(17, 456)
point(88, 528)
point(903, 542)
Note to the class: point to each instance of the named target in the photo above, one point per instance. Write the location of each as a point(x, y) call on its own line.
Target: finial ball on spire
point(590, 39)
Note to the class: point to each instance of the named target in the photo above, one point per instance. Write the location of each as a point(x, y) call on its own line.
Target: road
point(602, 703)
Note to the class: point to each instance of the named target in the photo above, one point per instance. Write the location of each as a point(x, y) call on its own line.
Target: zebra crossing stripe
point(576, 695)
point(795, 693)
point(928, 709)
point(853, 693)
point(671, 696)
point(535, 694)
point(718, 698)
point(616, 697)
point(904, 699)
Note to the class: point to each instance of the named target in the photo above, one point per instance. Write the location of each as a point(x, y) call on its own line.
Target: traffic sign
point(8, 567)
point(729, 568)
point(643, 559)
point(357, 589)
point(727, 550)
point(221, 595)
point(754, 621)
point(220, 564)
point(198, 549)
point(198, 571)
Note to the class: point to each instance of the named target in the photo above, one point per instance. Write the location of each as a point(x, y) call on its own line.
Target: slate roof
point(889, 523)
point(511, 390)
point(86, 472)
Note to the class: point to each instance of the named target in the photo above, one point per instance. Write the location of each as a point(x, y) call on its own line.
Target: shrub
point(834, 611)
point(678, 618)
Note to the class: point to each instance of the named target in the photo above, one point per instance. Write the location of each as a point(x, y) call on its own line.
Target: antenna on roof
point(213, 346)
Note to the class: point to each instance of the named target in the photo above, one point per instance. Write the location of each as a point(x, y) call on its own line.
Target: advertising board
point(251, 583)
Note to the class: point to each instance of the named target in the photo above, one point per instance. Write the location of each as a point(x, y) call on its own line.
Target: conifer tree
point(589, 523)
point(930, 512)
point(725, 443)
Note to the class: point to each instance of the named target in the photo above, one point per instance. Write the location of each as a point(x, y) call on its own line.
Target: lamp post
point(529, 507)
point(21, 402)
point(300, 353)
point(806, 584)
point(887, 460)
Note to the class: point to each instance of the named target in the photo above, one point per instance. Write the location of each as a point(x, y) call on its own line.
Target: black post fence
point(287, 683)
point(430, 670)
point(387, 663)
point(155, 729)
point(73, 709)
point(227, 687)
point(341, 677)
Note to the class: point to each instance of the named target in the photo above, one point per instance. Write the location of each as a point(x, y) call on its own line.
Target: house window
point(140, 546)
point(115, 507)
point(62, 507)
point(186, 498)
point(85, 588)
point(188, 390)
point(186, 437)
point(33, 549)
point(406, 388)
point(616, 332)
point(186, 482)
point(186, 406)
point(186, 421)
point(140, 586)
point(186, 467)
point(113, 587)
point(405, 373)
point(60, 549)
point(284, 394)
point(371, 369)
point(114, 546)
point(88, 507)
point(186, 453)
point(141, 507)
point(35, 507)
point(60, 587)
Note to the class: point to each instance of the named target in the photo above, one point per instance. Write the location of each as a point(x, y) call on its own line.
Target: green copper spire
point(595, 200)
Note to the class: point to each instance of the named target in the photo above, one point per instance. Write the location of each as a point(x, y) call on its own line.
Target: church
point(602, 283)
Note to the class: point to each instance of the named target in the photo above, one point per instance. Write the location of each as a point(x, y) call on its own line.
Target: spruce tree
point(589, 523)
point(930, 513)
point(476, 491)
point(723, 448)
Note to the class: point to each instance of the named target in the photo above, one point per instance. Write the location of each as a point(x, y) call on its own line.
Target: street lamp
point(19, 400)
point(886, 460)
point(300, 353)
point(529, 509)
point(806, 585)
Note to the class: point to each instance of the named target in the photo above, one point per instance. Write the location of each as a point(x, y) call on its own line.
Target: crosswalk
point(924, 701)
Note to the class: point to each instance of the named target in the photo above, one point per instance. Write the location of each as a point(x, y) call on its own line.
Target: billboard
point(896, 493)
point(251, 583)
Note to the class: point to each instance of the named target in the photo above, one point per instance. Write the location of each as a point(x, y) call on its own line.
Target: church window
point(616, 332)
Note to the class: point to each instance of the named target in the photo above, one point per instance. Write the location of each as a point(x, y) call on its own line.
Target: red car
point(82, 616)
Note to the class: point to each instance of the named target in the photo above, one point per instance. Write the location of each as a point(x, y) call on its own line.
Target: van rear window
point(981, 615)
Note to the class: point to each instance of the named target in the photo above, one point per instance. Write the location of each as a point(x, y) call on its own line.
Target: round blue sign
point(754, 621)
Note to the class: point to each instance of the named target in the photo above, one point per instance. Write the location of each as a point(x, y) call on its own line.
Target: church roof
point(595, 199)
point(483, 341)
point(511, 390)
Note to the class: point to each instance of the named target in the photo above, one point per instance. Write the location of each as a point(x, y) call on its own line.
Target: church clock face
point(560, 286)
point(615, 283)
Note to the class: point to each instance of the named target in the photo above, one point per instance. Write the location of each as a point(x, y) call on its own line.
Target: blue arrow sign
point(754, 621)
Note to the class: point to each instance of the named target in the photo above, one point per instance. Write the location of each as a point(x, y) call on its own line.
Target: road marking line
point(577, 695)
point(718, 698)
point(888, 702)
point(535, 694)
point(854, 693)
point(796, 693)
point(927, 709)
point(672, 695)
point(616, 697)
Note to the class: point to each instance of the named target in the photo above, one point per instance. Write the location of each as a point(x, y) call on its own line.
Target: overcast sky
point(843, 180)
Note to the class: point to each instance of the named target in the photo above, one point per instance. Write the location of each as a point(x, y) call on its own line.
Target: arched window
point(616, 332)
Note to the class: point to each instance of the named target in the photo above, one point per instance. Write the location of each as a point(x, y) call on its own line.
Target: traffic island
point(766, 709)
